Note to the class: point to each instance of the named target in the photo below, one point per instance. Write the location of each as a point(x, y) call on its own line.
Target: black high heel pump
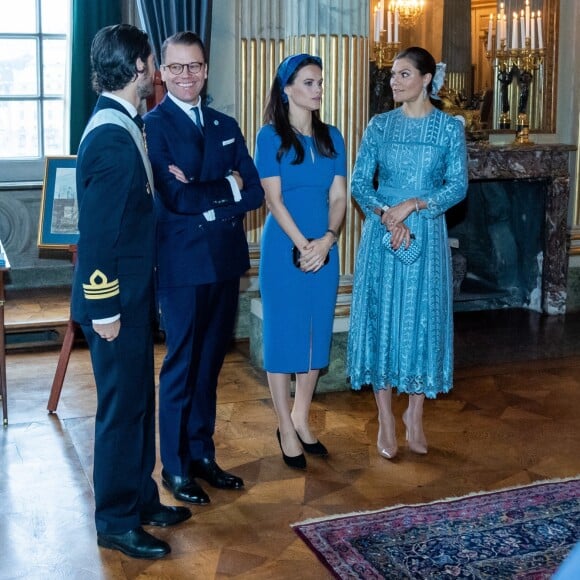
point(313, 448)
point(296, 462)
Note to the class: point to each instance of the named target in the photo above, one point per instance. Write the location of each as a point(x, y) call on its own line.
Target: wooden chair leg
point(62, 365)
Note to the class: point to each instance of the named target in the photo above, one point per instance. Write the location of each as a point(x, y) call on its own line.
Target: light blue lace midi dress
point(401, 325)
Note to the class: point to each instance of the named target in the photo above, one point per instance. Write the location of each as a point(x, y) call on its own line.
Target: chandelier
point(408, 11)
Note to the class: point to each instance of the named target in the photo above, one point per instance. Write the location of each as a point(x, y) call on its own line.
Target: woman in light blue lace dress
point(401, 328)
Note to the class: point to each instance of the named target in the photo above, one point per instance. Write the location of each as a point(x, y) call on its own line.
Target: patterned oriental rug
point(518, 533)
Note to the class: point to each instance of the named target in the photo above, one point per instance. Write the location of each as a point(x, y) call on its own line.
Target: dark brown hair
point(276, 113)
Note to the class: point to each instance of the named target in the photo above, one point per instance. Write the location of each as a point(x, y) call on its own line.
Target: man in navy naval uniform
point(113, 294)
point(206, 181)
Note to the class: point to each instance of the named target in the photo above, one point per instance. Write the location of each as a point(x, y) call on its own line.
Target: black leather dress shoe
point(136, 543)
point(210, 471)
point(165, 516)
point(184, 488)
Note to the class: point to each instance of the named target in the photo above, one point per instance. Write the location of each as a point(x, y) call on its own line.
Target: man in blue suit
point(113, 294)
point(205, 182)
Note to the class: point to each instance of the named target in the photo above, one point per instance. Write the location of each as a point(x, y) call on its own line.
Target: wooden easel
point(65, 351)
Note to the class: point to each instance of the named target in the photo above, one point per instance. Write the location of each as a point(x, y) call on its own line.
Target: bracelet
point(329, 231)
point(416, 205)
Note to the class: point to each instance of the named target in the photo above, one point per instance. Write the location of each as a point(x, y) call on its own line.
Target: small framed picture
point(58, 221)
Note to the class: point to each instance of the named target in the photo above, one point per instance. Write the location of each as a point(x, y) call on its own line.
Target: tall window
point(34, 73)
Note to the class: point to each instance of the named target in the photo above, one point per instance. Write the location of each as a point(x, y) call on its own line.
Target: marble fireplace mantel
point(535, 162)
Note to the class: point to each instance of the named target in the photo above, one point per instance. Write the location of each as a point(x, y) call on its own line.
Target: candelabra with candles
point(524, 55)
point(397, 13)
point(389, 17)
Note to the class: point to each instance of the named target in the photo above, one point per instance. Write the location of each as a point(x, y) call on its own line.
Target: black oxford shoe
point(210, 471)
point(184, 489)
point(135, 543)
point(165, 516)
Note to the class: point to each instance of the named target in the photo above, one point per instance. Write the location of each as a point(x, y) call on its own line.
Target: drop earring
point(424, 92)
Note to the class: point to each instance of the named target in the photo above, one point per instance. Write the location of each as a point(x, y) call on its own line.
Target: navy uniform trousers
point(126, 475)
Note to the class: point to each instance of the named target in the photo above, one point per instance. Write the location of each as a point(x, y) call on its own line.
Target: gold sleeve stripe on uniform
point(100, 287)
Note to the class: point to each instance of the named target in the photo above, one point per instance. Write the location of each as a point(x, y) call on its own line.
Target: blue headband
point(288, 67)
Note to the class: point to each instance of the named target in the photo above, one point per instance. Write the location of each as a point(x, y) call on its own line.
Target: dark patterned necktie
point(197, 119)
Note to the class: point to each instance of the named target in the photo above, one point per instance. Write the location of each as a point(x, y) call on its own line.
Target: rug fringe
point(444, 500)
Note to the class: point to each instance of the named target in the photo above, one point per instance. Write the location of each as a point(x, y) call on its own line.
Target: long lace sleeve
point(455, 178)
point(365, 165)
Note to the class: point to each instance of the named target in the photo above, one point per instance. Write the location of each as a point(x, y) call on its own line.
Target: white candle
point(381, 16)
point(489, 32)
point(533, 30)
point(504, 28)
point(397, 25)
point(527, 18)
point(515, 32)
point(523, 28)
point(498, 32)
point(389, 26)
point(540, 34)
point(377, 25)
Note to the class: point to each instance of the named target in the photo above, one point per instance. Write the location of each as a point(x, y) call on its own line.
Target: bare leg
point(280, 389)
point(305, 385)
point(413, 419)
point(387, 438)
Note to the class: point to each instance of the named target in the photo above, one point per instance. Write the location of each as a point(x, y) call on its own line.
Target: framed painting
point(58, 208)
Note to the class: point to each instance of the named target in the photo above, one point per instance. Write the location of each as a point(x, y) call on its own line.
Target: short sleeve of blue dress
point(298, 307)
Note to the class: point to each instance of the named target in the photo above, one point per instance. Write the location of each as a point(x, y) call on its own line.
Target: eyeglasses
point(177, 68)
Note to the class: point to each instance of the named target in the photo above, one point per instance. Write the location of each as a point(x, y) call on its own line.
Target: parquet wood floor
point(505, 423)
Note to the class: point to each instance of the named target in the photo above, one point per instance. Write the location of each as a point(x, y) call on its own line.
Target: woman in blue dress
point(401, 328)
point(301, 162)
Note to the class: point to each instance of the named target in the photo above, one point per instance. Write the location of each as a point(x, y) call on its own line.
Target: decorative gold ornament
point(388, 18)
point(409, 11)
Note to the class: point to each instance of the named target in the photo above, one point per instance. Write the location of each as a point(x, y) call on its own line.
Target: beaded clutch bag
point(406, 255)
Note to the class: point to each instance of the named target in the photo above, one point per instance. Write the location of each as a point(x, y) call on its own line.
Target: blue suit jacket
point(114, 273)
point(192, 250)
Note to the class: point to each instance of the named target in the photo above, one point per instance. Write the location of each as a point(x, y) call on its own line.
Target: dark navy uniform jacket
point(116, 247)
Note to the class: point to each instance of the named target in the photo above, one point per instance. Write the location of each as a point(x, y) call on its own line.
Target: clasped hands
point(313, 253)
point(393, 219)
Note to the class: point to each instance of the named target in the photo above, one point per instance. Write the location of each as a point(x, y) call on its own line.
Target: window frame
point(31, 169)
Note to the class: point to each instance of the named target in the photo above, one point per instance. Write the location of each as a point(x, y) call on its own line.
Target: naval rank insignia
point(100, 287)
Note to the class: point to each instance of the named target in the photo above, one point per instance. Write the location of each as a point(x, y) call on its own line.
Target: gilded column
point(575, 206)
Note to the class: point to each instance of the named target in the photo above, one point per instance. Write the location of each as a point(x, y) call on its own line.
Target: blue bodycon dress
point(298, 307)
